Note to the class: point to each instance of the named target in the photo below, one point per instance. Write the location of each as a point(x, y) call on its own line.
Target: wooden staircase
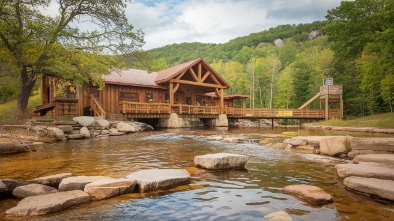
point(96, 107)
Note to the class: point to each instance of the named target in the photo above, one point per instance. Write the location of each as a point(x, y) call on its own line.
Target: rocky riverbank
point(22, 138)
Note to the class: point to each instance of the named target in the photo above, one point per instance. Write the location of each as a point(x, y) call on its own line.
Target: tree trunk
point(27, 84)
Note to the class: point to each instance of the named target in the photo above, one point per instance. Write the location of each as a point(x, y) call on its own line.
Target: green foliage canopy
point(33, 44)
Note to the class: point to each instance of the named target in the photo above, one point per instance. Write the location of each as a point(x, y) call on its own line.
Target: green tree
point(35, 44)
point(285, 88)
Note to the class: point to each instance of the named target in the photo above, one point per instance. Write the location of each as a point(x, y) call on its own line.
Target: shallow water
point(216, 195)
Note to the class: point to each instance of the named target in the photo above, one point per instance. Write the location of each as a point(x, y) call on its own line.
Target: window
point(149, 97)
point(128, 96)
point(188, 100)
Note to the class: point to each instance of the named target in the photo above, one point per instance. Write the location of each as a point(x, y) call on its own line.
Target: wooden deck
point(161, 110)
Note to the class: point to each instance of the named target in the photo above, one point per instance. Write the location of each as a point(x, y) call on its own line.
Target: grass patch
point(379, 121)
point(8, 111)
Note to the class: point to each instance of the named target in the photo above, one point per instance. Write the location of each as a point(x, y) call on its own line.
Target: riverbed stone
point(52, 180)
point(296, 141)
point(8, 185)
point(84, 120)
point(233, 139)
point(375, 158)
point(76, 136)
point(124, 127)
point(334, 146)
point(365, 170)
point(78, 182)
point(373, 186)
point(85, 132)
point(278, 216)
point(12, 148)
point(56, 133)
point(102, 189)
point(49, 203)
point(102, 123)
point(32, 190)
point(65, 128)
point(139, 126)
point(221, 161)
point(154, 179)
point(308, 193)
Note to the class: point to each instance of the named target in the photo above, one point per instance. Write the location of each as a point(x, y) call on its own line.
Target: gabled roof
point(142, 78)
point(131, 77)
point(170, 73)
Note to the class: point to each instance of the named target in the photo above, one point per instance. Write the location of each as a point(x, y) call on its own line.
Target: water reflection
point(215, 195)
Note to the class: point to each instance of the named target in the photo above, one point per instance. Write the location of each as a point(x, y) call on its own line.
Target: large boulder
point(334, 146)
point(375, 158)
point(49, 203)
point(365, 170)
point(125, 127)
point(139, 126)
point(52, 180)
point(102, 123)
point(32, 190)
point(308, 193)
point(56, 133)
point(102, 189)
point(221, 161)
point(221, 121)
point(8, 185)
point(85, 132)
point(78, 182)
point(154, 179)
point(373, 186)
point(84, 120)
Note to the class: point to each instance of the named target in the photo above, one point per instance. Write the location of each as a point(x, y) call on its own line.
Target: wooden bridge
point(157, 110)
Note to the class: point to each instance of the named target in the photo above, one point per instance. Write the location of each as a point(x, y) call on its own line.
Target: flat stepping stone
point(102, 189)
point(32, 190)
point(53, 180)
point(49, 203)
point(76, 136)
point(8, 185)
point(221, 161)
point(78, 182)
point(375, 158)
point(378, 187)
point(308, 193)
point(154, 179)
point(365, 170)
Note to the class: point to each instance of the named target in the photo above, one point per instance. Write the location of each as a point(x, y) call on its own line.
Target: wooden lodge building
point(190, 90)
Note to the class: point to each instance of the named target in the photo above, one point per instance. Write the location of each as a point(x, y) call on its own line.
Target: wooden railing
point(148, 108)
point(194, 110)
point(199, 111)
point(95, 105)
point(274, 113)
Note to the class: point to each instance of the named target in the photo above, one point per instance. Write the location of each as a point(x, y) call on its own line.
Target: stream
point(214, 195)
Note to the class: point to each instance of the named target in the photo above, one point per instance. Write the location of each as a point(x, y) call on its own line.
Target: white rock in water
point(309, 193)
point(32, 190)
point(52, 180)
point(375, 158)
point(378, 187)
point(124, 127)
point(43, 204)
point(85, 132)
point(102, 189)
point(279, 216)
point(154, 179)
point(78, 182)
point(84, 120)
point(221, 161)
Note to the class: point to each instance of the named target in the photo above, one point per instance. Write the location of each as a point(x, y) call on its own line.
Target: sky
point(167, 22)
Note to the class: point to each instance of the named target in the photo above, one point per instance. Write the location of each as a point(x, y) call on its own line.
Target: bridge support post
point(272, 123)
